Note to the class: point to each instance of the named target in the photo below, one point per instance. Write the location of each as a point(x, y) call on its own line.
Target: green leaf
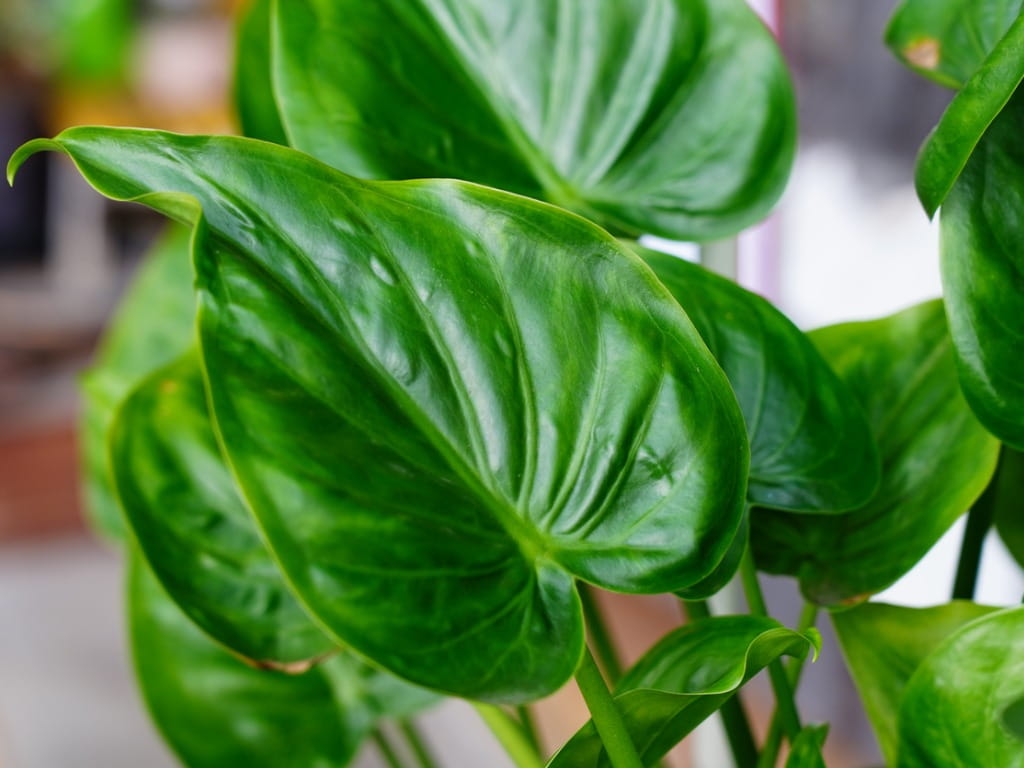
point(947, 40)
point(668, 116)
point(715, 581)
point(1009, 515)
point(936, 461)
point(252, 90)
point(983, 97)
point(685, 678)
point(152, 326)
point(215, 711)
point(191, 524)
point(953, 709)
point(806, 749)
point(885, 644)
point(442, 402)
point(1013, 719)
point(982, 224)
point(811, 448)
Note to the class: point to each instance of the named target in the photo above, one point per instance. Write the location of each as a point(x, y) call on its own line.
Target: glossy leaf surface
point(442, 402)
point(190, 521)
point(668, 116)
point(936, 460)
point(806, 749)
point(153, 325)
point(982, 226)
point(727, 567)
point(811, 449)
point(983, 97)
point(686, 677)
point(953, 708)
point(215, 711)
point(947, 40)
point(1009, 512)
point(885, 644)
point(252, 90)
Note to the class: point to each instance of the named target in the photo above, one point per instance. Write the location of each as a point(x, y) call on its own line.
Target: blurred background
point(849, 241)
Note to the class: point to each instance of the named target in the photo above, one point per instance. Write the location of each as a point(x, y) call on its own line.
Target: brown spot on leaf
point(924, 53)
point(287, 667)
point(168, 387)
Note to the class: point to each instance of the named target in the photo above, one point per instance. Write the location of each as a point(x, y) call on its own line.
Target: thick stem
point(600, 637)
point(417, 744)
point(530, 728)
point(510, 735)
point(795, 667)
point(386, 750)
point(734, 717)
point(979, 520)
point(606, 716)
point(784, 703)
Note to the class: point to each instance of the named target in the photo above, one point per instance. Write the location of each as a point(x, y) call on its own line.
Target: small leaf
point(193, 527)
point(953, 708)
point(252, 91)
point(983, 97)
point(806, 749)
point(982, 225)
point(811, 448)
point(885, 644)
point(443, 403)
point(686, 677)
point(948, 40)
point(153, 325)
point(673, 117)
point(214, 711)
point(936, 461)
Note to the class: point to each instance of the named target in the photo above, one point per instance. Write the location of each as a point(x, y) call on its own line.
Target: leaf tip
point(25, 151)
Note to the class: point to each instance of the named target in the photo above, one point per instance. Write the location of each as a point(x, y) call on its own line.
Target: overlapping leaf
point(972, 111)
point(936, 460)
point(187, 516)
point(442, 402)
point(806, 749)
point(667, 116)
point(885, 644)
point(811, 449)
point(252, 91)
point(983, 275)
point(215, 711)
point(947, 40)
point(1009, 512)
point(954, 708)
point(686, 677)
point(153, 325)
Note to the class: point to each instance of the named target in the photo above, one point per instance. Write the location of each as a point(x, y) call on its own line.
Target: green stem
point(510, 735)
point(417, 744)
point(776, 672)
point(979, 520)
point(605, 714)
point(734, 718)
point(530, 728)
point(795, 667)
point(600, 637)
point(386, 750)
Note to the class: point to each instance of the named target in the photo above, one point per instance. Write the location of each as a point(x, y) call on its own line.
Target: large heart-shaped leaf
point(667, 116)
point(214, 711)
point(947, 40)
point(811, 448)
point(936, 460)
point(187, 515)
point(153, 325)
point(442, 402)
point(982, 226)
point(885, 644)
point(983, 97)
point(686, 677)
point(954, 708)
point(251, 90)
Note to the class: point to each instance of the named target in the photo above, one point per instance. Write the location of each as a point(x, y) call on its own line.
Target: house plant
point(400, 429)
